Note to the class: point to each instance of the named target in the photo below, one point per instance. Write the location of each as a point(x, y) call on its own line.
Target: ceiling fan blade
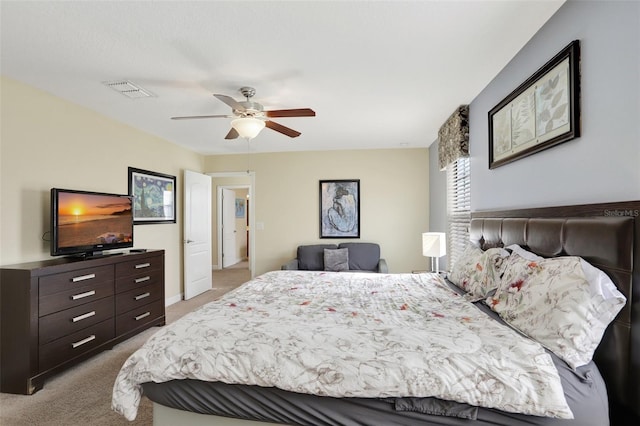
point(189, 117)
point(299, 112)
point(230, 101)
point(282, 129)
point(233, 134)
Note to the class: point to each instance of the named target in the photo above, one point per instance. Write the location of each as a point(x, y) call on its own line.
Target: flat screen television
point(87, 223)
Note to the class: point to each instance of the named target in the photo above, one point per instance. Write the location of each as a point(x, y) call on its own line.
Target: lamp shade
point(247, 127)
point(434, 244)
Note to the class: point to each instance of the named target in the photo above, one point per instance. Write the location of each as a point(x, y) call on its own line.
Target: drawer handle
point(83, 278)
point(83, 295)
point(83, 341)
point(139, 317)
point(142, 296)
point(83, 316)
point(143, 279)
point(142, 265)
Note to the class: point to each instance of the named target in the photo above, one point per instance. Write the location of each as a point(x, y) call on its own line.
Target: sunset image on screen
point(89, 219)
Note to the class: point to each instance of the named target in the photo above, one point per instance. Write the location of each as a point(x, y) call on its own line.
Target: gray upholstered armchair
point(355, 257)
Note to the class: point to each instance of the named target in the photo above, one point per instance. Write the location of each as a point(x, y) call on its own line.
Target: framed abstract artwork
point(340, 208)
point(154, 196)
point(542, 112)
point(240, 203)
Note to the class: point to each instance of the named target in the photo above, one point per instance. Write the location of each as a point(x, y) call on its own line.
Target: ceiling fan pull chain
point(248, 156)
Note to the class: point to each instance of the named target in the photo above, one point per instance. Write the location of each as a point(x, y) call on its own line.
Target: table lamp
point(434, 245)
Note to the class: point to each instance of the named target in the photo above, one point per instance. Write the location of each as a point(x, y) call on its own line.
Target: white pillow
point(564, 303)
point(478, 272)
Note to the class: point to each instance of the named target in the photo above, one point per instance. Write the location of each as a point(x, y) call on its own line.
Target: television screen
point(84, 222)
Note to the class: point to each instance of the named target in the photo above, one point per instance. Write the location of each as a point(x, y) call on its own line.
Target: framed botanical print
point(542, 112)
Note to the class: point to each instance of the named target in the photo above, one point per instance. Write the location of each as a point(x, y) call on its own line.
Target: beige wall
point(217, 182)
point(394, 200)
point(47, 142)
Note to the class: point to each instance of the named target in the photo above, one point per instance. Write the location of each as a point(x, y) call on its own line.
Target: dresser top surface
point(61, 264)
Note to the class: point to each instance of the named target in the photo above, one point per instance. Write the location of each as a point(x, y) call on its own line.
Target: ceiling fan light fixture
point(245, 123)
point(248, 127)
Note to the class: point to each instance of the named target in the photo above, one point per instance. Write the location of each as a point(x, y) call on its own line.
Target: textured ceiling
point(378, 74)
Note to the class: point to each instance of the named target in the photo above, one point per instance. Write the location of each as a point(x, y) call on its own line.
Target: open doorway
point(234, 232)
point(235, 250)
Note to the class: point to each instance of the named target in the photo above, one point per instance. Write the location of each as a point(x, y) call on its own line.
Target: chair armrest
point(382, 267)
point(291, 265)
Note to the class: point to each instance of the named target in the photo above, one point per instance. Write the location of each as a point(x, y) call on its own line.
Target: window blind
point(458, 207)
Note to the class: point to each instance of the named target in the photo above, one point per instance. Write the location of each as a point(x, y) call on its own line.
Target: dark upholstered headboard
point(608, 237)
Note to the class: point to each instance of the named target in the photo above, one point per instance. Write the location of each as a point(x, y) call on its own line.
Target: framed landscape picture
point(154, 196)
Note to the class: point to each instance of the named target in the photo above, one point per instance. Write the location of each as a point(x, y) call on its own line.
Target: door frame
point(252, 215)
point(220, 215)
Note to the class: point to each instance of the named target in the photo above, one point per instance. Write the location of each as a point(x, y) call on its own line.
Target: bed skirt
point(165, 416)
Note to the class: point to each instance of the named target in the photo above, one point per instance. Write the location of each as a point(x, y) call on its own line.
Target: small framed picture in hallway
point(240, 208)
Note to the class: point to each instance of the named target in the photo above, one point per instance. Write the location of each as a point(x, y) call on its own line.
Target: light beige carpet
point(82, 394)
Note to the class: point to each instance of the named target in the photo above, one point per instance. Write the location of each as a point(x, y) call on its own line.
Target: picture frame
point(340, 208)
point(154, 196)
point(240, 208)
point(542, 112)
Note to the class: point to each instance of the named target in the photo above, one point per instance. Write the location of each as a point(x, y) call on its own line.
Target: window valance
point(453, 137)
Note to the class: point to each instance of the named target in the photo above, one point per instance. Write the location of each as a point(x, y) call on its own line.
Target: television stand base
point(94, 255)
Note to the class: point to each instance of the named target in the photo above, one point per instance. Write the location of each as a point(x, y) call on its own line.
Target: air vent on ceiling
point(128, 89)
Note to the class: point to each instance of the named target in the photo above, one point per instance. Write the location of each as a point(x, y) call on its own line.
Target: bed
point(605, 235)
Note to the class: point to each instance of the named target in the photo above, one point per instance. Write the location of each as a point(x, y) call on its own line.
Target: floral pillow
point(564, 303)
point(477, 272)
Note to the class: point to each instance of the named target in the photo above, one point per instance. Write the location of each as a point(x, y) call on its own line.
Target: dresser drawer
point(137, 297)
point(51, 284)
point(139, 316)
point(144, 277)
point(73, 345)
point(139, 267)
point(72, 296)
point(54, 326)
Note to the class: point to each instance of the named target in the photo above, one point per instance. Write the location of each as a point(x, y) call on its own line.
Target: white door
point(229, 255)
point(197, 234)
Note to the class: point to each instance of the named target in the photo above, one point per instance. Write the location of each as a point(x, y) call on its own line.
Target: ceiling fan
point(250, 117)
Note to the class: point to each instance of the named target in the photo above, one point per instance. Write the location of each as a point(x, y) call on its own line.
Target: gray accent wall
point(437, 197)
point(603, 165)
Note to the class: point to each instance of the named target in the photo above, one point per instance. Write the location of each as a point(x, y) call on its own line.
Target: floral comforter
point(350, 335)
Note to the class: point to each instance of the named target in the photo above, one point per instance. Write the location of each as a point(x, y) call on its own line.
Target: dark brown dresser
point(56, 313)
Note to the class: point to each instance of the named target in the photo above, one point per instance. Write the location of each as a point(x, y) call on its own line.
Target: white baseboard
point(171, 300)
point(177, 298)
